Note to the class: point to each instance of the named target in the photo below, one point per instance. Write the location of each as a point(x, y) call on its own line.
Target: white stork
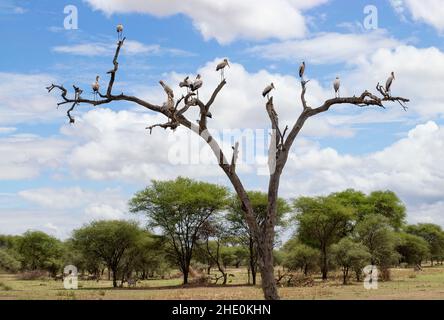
point(336, 86)
point(96, 87)
point(197, 84)
point(389, 82)
point(221, 67)
point(267, 90)
point(186, 83)
point(119, 32)
point(302, 70)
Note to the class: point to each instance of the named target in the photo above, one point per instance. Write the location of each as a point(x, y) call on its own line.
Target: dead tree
point(278, 154)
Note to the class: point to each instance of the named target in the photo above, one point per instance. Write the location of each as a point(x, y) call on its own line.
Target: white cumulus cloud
point(225, 20)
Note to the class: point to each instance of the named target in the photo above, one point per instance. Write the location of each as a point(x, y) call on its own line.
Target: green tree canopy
point(413, 249)
point(180, 208)
point(434, 236)
point(384, 203)
point(39, 251)
point(350, 255)
point(322, 221)
point(107, 241)
point(299, 256)
point(375, 232)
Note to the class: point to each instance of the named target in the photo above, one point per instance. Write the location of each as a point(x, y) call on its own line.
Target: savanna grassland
point(405, 284)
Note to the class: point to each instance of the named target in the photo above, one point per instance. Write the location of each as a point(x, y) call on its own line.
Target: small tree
point(298, 256)
point(214, 236)
point(9, 261)
point(322, 221)
point(375, 232)
point(413, 249)
point(107, 241)
point(434, 236)
point(180, 208)
point(39, 251)
point(350, 256)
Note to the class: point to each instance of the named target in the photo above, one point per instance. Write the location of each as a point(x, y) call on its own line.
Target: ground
point(406, 284)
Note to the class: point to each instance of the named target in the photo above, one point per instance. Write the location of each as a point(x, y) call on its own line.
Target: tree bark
point(324, 263)
point(253, 261)
point(185, 275)
point(114, 270)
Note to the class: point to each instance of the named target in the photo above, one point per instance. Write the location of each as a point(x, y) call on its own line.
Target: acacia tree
point(180, 208)
point(175, 112)
point(107, 241)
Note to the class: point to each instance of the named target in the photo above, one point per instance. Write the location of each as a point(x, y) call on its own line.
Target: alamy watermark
point(71, 21)
point(70, 278)
point(256, 149)
point(371, 277)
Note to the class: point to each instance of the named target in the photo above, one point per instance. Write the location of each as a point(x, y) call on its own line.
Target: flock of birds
point(336, 83)
point(193, 86)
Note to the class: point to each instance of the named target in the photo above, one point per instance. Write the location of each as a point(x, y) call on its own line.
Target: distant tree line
point(201, 229)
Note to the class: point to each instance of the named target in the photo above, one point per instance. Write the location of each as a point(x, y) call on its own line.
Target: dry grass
point(428, 284)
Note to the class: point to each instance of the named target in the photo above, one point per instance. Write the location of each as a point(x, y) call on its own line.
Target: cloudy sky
point(55, 176)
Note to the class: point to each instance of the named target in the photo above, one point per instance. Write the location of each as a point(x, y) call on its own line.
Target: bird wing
point(388, 84)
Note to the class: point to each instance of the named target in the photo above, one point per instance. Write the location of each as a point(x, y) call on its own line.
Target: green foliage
point(434, 236)
point(322, 222)
point(39, 251)
point(8, 261)
point(383, 203)
point(169, 203)
point(350, 255)
point(387, 204)
point(298, 256)
point(375, 232)
point(413, 249)
point(107, 241)
point(180, 208)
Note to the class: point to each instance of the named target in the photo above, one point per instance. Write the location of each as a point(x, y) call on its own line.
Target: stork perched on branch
point(196, 85)
point(302, 70)
point(186, 83)
point(96, 87)
point(119, 32)
point(336, 86)
point(389, 82)
point(221, 67)
point(267, 90)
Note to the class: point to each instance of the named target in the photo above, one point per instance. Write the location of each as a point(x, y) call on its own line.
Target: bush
point(8, 261)
point(301, 257)
point(34, 275)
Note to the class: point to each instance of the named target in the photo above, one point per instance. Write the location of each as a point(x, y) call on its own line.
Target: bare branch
point(114, 70)
point(170, 125)
point(235, 156)
point(304, 89)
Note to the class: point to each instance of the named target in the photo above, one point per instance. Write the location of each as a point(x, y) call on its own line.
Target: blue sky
point(54, 177)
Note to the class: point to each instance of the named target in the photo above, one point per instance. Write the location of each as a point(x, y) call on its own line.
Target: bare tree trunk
point(267, 274)
point(253, 261)
point(185, 272)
